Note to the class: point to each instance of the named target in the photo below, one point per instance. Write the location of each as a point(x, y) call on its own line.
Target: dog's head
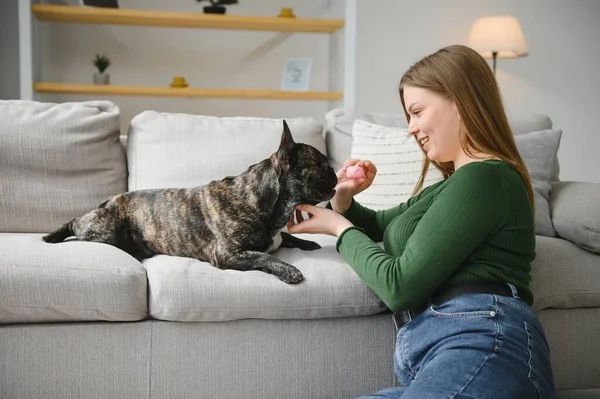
point(305, 170)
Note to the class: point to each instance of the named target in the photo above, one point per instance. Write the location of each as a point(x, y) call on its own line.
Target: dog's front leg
point(252, 260)
point(289, 241)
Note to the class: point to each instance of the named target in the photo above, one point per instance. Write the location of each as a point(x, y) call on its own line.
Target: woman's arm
point(471, 206)
point(374, 222)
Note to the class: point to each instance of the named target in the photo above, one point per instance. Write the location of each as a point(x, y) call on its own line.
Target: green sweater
point(475, 226)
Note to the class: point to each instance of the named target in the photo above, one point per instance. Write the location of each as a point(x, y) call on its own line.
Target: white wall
point(559, 78)
point(9, 50)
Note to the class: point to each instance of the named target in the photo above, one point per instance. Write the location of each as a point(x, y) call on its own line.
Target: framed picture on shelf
point(296, 74)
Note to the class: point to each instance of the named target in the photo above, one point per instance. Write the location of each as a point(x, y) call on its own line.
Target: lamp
point(498, 36)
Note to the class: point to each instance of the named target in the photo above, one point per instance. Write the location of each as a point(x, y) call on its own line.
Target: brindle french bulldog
point(233, 223)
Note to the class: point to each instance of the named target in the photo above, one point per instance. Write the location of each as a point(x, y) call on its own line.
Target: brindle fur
point(230, 223)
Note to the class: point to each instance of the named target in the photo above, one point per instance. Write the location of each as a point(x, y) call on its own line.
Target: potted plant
point(101, 77)
point(216, 6)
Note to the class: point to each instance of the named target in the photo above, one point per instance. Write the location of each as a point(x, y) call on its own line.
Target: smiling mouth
point(424, 141)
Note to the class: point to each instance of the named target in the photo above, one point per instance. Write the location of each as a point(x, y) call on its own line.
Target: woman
point(456, 264)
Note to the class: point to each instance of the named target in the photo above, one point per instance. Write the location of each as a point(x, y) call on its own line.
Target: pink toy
point(355, 172)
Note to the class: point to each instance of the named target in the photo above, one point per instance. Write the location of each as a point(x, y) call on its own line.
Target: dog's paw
point(290, 241)
point(309, 246)
point(291, 275)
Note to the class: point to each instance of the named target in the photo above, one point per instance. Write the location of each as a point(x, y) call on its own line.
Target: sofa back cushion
point(57, 161)
point(538, 150)
point(575, 210)
point(181, 150)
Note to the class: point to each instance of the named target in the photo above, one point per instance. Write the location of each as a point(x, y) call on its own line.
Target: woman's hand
point(320, 221)
point(348, 188)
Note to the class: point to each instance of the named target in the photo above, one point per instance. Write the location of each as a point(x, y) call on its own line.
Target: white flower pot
point(101, 78)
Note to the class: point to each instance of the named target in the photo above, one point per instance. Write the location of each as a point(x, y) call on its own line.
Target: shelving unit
point(30, 12)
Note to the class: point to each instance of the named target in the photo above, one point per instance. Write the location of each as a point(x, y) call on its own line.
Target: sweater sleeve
point(472, 205)
point(374, 222)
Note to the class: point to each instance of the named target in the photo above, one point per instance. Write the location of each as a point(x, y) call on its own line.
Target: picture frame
point(296, 74)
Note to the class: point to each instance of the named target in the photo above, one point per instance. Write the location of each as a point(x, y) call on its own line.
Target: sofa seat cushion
point(564, 275)
point(71, 281)
point(184, 289)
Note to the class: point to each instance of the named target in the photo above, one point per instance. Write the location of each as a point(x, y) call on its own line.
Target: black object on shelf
point(101, 3)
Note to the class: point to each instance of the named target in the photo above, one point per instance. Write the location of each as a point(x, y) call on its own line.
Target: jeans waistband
point(446, 294)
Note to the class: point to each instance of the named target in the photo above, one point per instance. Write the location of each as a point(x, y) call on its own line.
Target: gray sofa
point(86, 320)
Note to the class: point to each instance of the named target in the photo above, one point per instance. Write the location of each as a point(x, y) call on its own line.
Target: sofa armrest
point(575, 212)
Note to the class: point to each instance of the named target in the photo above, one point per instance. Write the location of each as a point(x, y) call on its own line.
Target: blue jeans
point(475, 346)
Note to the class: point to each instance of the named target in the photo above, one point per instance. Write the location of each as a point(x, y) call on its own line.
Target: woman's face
point(434, 122)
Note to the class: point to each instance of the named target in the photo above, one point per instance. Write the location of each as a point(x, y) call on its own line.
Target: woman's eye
point(416, 113)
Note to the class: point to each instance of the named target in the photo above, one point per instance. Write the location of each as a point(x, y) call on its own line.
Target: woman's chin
point(432, 156)
point(440, 159)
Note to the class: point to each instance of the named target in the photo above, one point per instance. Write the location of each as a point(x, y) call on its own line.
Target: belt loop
point(515, 292)
point(396, 322)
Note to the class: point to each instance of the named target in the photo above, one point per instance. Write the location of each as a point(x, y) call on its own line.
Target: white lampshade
point(501, 34)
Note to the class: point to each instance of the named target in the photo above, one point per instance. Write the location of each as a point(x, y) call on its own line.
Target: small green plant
point(101, 62)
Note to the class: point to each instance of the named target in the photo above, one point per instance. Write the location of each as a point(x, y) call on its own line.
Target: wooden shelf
point(116, 16)
point(163, 91)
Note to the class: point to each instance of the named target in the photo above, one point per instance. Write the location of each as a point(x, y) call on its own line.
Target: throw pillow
point(575, 212)
point(539, 150)
point(399, 161)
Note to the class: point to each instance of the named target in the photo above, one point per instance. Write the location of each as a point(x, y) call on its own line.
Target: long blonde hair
point(460, 74)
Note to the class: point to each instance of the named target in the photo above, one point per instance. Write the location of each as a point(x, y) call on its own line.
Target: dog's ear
point(285, 148)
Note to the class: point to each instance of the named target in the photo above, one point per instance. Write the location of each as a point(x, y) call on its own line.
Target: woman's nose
point(412, 129)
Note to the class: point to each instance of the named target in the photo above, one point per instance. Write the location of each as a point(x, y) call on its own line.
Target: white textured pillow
point(398, 159)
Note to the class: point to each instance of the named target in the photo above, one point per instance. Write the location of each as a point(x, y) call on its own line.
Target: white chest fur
point(276, 242)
